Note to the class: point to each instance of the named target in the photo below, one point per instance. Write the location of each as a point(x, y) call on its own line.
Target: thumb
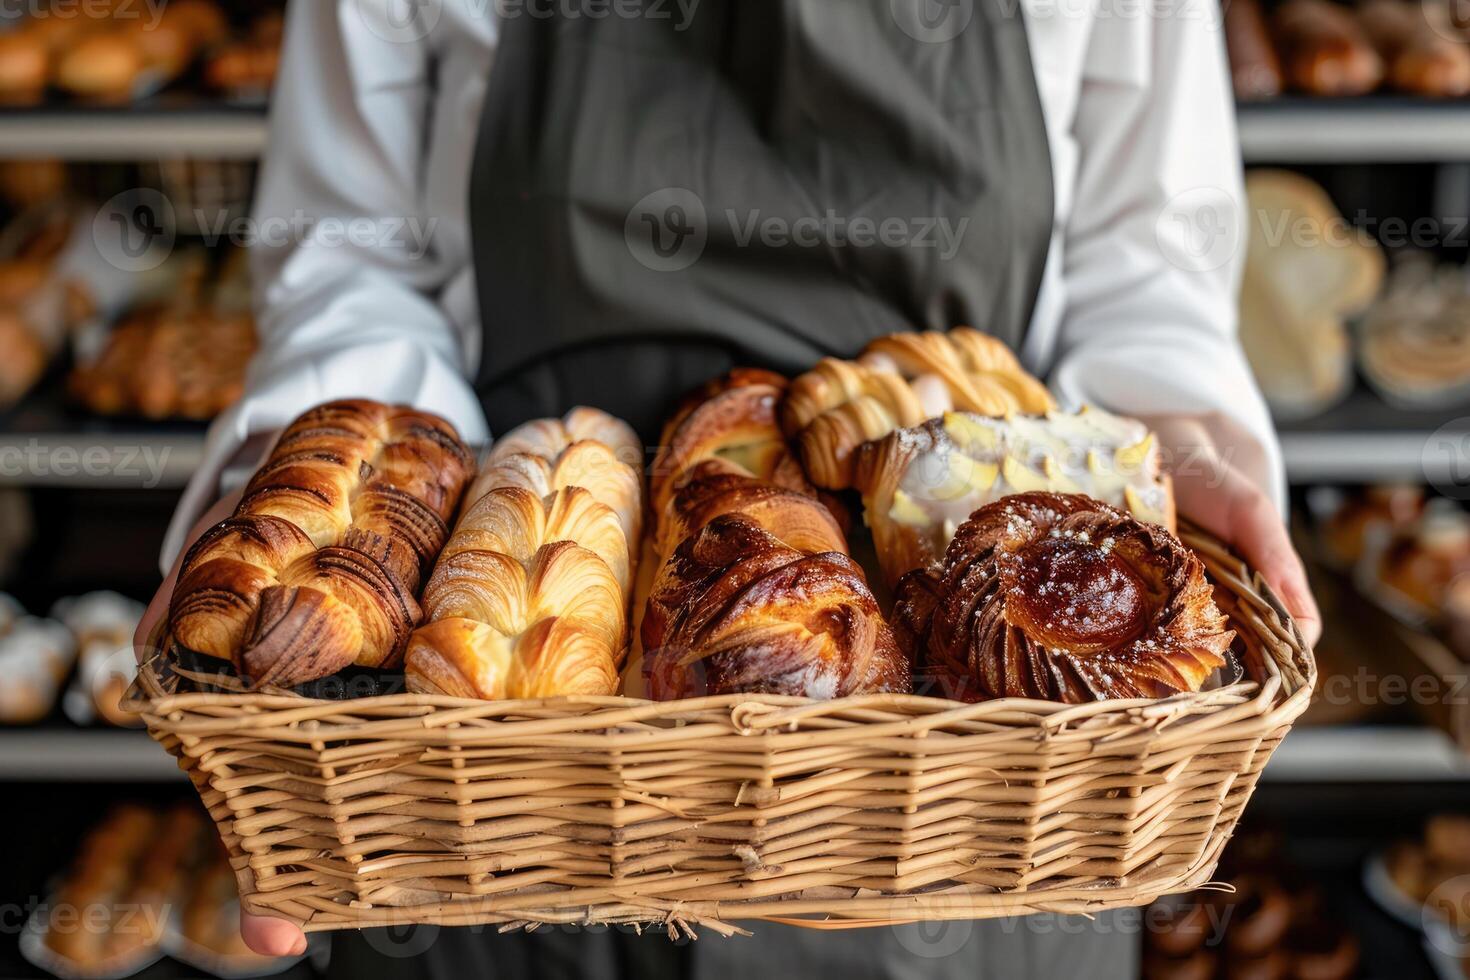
point(272, 937)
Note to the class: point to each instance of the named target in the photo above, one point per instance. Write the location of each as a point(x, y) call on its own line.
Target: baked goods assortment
point(145, 883)
point(1307, 273)
point(102, 625)
point(1329, 49)
point(920, 484)
point(898, 381)
point(1063, 598)
point(36, 300)
point(530, 595)
point(1269, 921)
point(114, 52)
point(1433, 871)
point(319, 567)
point(1028, 555)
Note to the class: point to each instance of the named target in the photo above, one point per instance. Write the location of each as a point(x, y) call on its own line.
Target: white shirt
point(363, 268)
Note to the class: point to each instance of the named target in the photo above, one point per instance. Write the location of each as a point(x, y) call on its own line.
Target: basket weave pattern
point(862, 810)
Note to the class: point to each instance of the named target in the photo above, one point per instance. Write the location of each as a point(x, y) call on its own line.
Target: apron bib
point(659, 195)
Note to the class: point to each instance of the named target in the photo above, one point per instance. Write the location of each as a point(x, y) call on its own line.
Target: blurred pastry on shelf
point(182, 359)
point(1324, 49)
point(1364, 522)
point(25, 182)
point(1415, 342)
point(35, 657)
point(1434, 870)
point(1307, 270)
point(1255, 71)
point(102, 68)
point(1267, 925)
point(247, 67)
point(24, 68)
point(102, 623)
point(1427, 567)
point(1420, 53)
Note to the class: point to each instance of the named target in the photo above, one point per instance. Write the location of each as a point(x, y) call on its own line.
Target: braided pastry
point(757, 592)
point(920, 484)
point(729, 424)
point(319, 565)
point(1062, 598)
point(900, 381)
point(530, 597)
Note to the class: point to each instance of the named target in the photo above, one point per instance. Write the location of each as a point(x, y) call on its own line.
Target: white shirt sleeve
point(346, 265)
point(1154, 243)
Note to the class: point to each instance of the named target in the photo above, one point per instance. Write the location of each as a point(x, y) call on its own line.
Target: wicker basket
point(860, 811)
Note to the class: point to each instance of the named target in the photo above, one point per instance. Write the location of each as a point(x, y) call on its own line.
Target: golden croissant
point(899, 381)
point(530, 596)
point(319, 565)
point(920, 484)
point(1061, 598)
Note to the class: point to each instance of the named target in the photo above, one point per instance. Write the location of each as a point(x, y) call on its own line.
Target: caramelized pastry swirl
point(1062, 598)
point(735, 610)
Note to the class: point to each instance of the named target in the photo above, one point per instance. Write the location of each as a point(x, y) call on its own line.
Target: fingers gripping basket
point(858, 811)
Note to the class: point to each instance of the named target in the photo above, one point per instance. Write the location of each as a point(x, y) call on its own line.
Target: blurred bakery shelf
point(216, 131)
point(1373, 129)
point(1367, 754)
point(46, 442)
point(75, 755)
point(1363, 439)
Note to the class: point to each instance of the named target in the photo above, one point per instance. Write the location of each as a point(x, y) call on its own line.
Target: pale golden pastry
point(530, 595)
point(900, 381)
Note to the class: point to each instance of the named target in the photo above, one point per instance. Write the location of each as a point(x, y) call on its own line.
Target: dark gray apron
point(658, 197)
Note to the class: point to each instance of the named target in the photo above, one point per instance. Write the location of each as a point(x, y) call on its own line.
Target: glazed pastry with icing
point(1059, 597)
point(920, 484)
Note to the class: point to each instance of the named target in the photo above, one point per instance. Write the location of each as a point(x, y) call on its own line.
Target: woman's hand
point(268, 937)
point(1229, 503)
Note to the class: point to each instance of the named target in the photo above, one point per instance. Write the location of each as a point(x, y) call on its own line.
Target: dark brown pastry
point(1255, 70)
point(735, 610)
point(1324, 50)
point(319, 566)
point(1061, 598)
